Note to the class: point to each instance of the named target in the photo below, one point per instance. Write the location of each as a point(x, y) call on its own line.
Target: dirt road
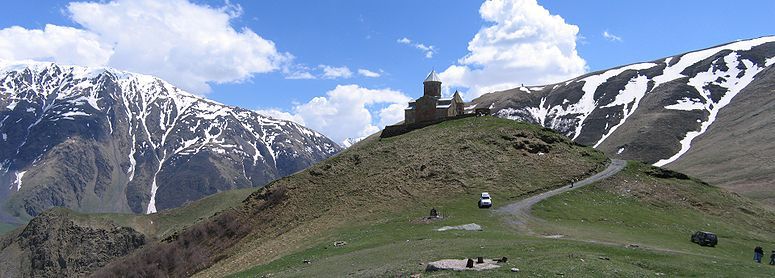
point(520, 210)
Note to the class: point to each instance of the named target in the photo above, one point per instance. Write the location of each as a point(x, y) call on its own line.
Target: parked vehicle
point(705, 238)
point(485, 201)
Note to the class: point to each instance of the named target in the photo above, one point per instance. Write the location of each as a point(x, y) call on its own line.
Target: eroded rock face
point(59, 244)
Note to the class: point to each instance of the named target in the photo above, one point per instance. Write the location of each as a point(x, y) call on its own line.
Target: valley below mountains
point(103, 140)
point(709, 113)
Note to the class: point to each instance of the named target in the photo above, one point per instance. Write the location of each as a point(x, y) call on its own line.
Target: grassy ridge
point(414, 172)
point(661, 213)
point(165, 223)
point(616, 213)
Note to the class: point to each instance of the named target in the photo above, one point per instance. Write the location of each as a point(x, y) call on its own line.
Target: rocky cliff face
point(102, 140)
point(695, 112)
point(60, 244)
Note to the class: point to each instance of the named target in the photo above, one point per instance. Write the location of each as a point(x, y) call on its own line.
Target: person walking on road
point(772, 258)
point(758, 253)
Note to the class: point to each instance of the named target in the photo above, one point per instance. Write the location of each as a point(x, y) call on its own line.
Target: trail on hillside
point(520, 210)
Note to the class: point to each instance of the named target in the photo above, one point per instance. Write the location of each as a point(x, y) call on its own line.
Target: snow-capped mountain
point(690, 112)
point(346, 143)
point(103, 140)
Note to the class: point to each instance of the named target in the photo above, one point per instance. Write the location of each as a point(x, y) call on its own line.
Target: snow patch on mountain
point(18, 180)
point(587, 103)
point(628, 98)
point(674, 72)
point(571, 116)
point(72, 114)
point(351, 141)
point(740, 73)
point(687, 104)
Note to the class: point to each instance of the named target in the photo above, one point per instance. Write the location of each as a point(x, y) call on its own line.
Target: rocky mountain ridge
point(104, 140)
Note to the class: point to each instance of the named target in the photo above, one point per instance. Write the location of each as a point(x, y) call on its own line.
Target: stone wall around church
point(395, 130)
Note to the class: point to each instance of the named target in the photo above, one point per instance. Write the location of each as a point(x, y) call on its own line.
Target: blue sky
point(300, 60)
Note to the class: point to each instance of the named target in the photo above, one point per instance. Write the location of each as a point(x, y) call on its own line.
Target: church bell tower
point(432, 85)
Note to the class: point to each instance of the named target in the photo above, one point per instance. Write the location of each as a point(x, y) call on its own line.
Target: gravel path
point(520, 210)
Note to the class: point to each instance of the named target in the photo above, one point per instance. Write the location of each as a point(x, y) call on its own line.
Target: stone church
point(431, 107)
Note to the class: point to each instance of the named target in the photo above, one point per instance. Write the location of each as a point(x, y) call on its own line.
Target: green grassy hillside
point(374, 181)
point(637, 223)
point(639, 207)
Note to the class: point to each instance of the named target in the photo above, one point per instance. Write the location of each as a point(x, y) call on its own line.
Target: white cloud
point(611, 37)
point(392, 114)
point(428, 50)
point(524, 44)
point(282, 115)
point(368, 73)
point(300, 71)
point(330, 72)
point(348, 111)
point(54, 43)
point(299, 75)
point(187, 44)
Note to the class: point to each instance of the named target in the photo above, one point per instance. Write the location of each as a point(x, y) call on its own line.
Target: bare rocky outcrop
point(60, 244)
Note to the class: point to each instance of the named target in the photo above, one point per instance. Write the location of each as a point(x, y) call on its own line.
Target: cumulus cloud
point(523, 44)
point(330, 72)
point(368, 73)
point(611, 37)
point(188, 44)
point(54, 43)
point(348, 111)
point(428, 50)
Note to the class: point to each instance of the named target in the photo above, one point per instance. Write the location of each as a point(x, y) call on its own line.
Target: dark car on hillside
point(705, 238)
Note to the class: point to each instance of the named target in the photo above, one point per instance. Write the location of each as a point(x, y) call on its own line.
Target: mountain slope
point(690, 112)
point(102, 140)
